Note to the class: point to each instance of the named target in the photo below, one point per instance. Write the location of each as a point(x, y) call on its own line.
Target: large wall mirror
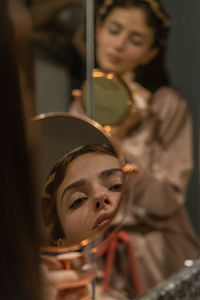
point(56, 75)
point(181, 64)
point(59, 53)
point(58, 80)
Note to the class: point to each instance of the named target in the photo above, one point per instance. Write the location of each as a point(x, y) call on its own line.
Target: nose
point(101, 201)
point(120, 42)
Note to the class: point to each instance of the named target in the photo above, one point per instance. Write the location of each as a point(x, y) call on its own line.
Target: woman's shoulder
point(171, 109)
point(168, 99)
point(168, 93)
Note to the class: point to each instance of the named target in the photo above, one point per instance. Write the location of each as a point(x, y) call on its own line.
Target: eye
point(113, 29)
point(115, 187)
point(78, 202)
point(136, 42)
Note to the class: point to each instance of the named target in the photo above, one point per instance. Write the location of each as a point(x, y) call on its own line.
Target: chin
point(109, 68)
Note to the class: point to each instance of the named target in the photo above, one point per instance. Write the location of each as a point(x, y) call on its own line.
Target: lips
point(102, 220)
point(114, 58)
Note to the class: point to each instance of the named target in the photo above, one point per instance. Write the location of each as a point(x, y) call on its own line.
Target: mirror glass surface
point(82, 194)
point(53, 78)
point(59, 52)
point(111, 98)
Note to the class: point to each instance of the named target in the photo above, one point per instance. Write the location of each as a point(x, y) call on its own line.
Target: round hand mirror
point(79, 178)
point(112, 98)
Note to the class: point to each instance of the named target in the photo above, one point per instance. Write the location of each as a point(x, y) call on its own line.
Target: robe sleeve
point(162, 190)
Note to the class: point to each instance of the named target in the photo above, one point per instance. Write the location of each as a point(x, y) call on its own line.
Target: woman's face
point(124, 41)
point(89, 195)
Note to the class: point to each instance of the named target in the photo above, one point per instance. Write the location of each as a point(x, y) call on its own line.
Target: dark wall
point(184, 68)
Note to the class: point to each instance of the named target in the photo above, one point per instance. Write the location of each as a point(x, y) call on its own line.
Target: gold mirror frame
point(36, 125)
point(112, 97)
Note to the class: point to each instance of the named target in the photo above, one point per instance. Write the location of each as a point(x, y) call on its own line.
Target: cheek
point(71, 221)
point(78, 219)
point(135, 55)
point(102, 40)
point(98, 37)
point(115, 198)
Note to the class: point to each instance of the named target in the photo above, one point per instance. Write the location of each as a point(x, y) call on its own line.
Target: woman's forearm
point(43, 11)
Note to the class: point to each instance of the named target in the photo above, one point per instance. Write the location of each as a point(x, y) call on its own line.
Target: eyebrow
point(81, 182)
point(109, 172)
point(136, 33)
point(74, 185)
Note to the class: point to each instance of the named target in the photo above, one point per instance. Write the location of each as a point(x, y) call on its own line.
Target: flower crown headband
point(154, 4)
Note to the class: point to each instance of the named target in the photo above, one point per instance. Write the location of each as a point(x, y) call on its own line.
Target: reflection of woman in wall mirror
point(131, 41)
point(58, 42)
point(81, 194)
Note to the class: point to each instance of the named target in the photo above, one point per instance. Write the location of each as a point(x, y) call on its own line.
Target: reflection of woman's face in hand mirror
point(82, 193)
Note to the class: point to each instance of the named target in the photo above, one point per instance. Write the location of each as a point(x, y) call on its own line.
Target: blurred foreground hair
point(19, 233)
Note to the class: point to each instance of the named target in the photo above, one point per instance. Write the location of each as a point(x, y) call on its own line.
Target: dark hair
point(55, 178)
point(19, 257)
point(153, 75)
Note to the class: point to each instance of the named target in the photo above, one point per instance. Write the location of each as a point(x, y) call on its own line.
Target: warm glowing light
point(76, 93)
point(85, 242)
point(107, 128)
point(97, 74)
point(110, 76)
point(130, 168)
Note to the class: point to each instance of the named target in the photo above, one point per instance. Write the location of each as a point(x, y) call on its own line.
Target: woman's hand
point(61, 283)
point(52, 278)
point(138, 111)
point(132, 119)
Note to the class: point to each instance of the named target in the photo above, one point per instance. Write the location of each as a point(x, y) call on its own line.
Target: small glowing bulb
point(107, 128)
point(130, 168)
point(110, 76)
point(97, 74)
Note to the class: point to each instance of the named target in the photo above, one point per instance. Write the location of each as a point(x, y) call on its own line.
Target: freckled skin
point(99, 195)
